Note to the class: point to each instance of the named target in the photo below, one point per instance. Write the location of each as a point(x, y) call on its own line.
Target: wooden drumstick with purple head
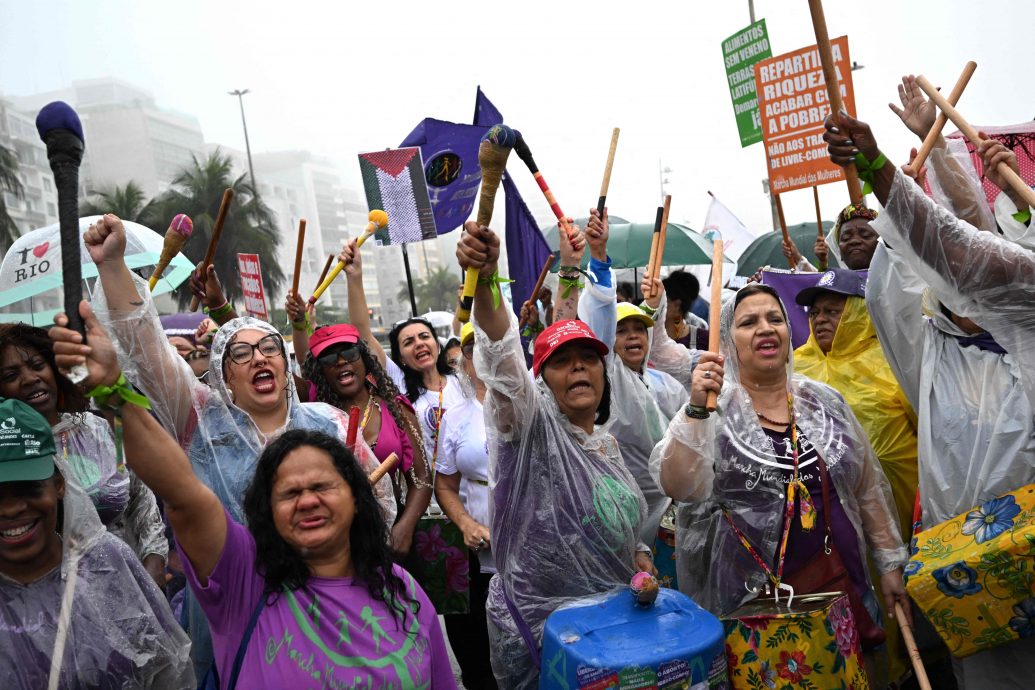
point(492, 157)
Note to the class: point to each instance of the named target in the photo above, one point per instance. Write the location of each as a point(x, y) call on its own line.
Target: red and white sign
point(251, 286)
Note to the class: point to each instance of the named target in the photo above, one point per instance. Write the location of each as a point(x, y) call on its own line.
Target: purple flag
point(526, 247)
point(450, 154)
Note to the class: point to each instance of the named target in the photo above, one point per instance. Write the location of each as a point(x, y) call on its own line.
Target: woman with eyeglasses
point(249, 401)
point(462, 490)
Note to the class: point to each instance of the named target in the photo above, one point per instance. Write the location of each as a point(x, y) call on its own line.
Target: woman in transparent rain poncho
point(644, 400)
point(248, 401)
point(566, 511)
point(963, 350)
point(740, 460)
point(85, 441)
point(58, 563)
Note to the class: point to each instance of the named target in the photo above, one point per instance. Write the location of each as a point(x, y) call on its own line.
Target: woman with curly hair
point(308, 589)
point(128, 509)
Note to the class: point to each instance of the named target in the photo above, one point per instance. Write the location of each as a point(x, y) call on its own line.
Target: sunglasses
point(242, 353)
point(349, 352)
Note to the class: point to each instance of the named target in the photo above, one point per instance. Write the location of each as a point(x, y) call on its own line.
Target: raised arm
point(569, 277)
point(666, 354)
point(194, 512)
point(598, 306)
point(300, 314)
point(498, 356)
point(359, 314)
point(126, 310)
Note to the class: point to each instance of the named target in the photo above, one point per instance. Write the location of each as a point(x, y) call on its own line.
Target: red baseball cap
point(562, 333)
point(332, 335)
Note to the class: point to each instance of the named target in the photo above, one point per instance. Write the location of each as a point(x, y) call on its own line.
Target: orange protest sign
point(793, 103)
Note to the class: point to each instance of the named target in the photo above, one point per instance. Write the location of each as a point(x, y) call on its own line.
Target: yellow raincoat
point(856, 368)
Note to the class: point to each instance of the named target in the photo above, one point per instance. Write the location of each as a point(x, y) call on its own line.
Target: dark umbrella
point(767, 250)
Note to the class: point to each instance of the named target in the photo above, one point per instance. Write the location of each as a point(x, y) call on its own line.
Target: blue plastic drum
point(614, 643)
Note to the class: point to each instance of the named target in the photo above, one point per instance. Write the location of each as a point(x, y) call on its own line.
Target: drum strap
point(522, 626)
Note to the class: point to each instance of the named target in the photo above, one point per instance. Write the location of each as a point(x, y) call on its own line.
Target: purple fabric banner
point(526, 247)
point(788, 285)
point(450, 154)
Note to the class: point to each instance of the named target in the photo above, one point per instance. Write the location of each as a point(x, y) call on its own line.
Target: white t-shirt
point(462, 448)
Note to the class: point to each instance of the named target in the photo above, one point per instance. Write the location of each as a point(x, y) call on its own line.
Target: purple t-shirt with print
point(332, 634)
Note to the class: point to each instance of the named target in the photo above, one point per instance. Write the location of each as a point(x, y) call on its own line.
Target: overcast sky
point(338, 78)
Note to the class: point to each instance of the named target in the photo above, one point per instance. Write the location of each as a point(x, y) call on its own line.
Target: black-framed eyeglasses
point(242, 353)
point(349, 352)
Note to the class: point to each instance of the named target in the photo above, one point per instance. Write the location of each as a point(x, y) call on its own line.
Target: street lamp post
point(662, 180)
point(247, 146)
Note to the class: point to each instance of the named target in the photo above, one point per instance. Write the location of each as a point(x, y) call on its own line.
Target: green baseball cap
point(26, 444)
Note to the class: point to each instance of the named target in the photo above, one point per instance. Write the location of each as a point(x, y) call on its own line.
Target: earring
point(231, 392)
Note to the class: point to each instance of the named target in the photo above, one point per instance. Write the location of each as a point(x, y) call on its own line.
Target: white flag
point(735, 235)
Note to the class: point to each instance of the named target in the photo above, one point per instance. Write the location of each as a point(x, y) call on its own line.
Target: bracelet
point(696, 411)
point(220, 312)
point(494, 282)
point(103, 395)
point(648, 310)
point(301, 324)
point(568, 283)
point(868, 169)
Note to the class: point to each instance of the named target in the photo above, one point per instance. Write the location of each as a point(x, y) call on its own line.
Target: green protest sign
point(740, 52)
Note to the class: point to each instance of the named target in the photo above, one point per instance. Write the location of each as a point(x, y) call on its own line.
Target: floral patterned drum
point(812, 644)
point(974, 575)
point(439, 561)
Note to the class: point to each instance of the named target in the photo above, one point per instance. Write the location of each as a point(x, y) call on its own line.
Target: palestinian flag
point(394, 181)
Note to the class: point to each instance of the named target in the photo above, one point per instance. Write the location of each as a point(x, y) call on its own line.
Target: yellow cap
point(466, 333)
point(631, 311)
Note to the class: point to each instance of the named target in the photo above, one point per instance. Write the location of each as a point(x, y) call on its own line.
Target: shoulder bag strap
point(243, 647)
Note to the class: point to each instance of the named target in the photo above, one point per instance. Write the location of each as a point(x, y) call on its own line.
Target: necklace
point(771, 421)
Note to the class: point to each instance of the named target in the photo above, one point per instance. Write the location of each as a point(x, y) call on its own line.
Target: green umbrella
point(767, 250)
point(628, 245)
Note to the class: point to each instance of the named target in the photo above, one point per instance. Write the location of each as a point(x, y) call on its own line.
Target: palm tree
point(128, 203)
point(8, 182)
point(250, 226)
point(435, 292)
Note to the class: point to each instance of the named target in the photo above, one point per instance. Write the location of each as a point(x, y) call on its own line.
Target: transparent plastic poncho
point(856, 368)
point(121, 632)
point(565, 513)
point(221, 440)
point(713, 567)
point(641, 404)
point(974, 406)
point(668, 356)
point(87, 444)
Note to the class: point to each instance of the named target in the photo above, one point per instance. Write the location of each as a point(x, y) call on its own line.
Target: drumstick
point(525, 154)
point(353, 432)
point(662, 234)
point(607, 173)
point(539, 283)
point(911, 648)
point(654, 245)
point(939, 122)
point(819, 226)
point(377, 220)
point(492, 157)
point(213, 241)
point(715, 308)
point(968, 131)
point(323, 273)
point(783, 225)
point(826, 56)
point(383, 469)
point(298, 256)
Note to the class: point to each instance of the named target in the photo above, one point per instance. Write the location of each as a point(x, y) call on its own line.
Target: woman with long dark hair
point(128, 509)
point(308, 589)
